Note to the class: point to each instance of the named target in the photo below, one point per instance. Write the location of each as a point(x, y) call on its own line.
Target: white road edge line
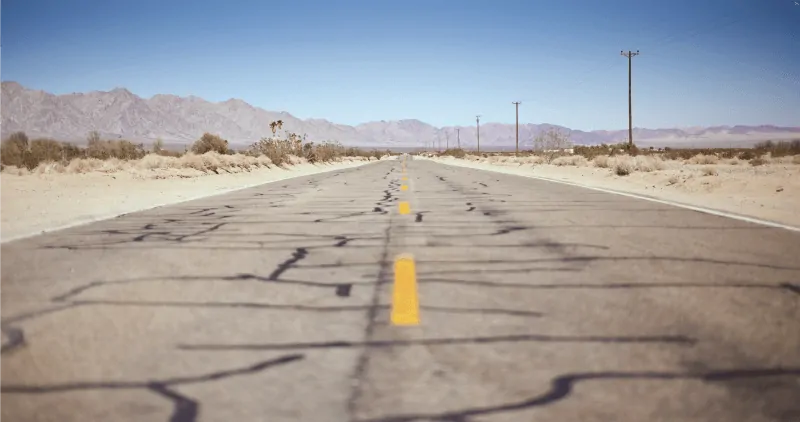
point(651, 199)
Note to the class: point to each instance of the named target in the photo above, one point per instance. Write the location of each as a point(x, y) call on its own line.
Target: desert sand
point(769, 192)
point(43, 201)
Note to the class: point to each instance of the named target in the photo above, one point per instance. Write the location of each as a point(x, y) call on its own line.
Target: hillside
point(180, 120)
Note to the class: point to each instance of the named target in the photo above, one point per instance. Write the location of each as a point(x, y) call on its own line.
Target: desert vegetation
point(555, 148)
point(209, 154)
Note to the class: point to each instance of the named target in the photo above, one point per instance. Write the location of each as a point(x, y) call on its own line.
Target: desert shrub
point(13, 149)
point(572, 160)
point(624, 165)
point(778, 149)
point(648, 163)
point(46, 150)
point(709, 171)
point(758, 161)
point(118, 148)
point(796, 159)
point(602, 161)
point(703, 159)
point(455, 152)
point(209, 142)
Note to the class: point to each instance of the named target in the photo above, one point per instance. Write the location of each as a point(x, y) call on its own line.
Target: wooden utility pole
point(458, 134)
point(630, 55)
point(478, 120)
point(447, 137)
point(516, 149)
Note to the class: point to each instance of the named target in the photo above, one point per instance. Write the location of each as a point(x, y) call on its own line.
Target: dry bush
point(703, 159)
point(42, 150)
point(118, 148)
point(602, 161)
point(48, 156)
point(709, 171)
point(210, 142)
point(49, 167)
point(455, 152)
point(572, 160)
point(533, 159)
point(758, 161)
point(648, 163)
point(778, 149)
point(592, 151)
point(83, 165)
point(733, 161)
point(13, 149)
point(624, 165)
point(277, 150)
point(796, 159)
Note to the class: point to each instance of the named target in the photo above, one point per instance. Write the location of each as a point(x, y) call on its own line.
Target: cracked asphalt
point(536, 302)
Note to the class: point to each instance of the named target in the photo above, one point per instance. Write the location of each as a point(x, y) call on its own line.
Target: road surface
point(494, 298)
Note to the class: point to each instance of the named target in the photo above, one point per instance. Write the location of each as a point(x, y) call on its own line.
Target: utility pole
point(516, 149)
point(458, 133)
point(447, 139)
point(478, 120)
point(630, 55)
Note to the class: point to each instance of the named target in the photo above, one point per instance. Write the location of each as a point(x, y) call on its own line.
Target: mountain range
point(181, 120)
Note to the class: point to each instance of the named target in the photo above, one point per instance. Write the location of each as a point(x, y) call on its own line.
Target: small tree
point(551, 143)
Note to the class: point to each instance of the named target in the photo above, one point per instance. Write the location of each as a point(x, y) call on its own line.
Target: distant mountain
point(181, 120)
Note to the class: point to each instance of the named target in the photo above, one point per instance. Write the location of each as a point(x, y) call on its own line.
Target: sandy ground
point(37, 203)
point(769, 192)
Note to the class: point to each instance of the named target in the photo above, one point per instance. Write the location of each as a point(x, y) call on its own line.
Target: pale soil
point(36, 203)
point(769, 192)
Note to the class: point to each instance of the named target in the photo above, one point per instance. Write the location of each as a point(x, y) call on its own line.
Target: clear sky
point(702, 62)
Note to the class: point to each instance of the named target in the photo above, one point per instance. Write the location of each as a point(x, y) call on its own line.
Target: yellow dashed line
point(405, 301)
point(404, 178)
point(403, 207)
point(404, 187)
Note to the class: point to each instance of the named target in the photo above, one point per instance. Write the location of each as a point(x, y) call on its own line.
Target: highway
point(404, 290)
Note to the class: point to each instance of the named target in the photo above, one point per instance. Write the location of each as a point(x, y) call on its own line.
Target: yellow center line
point(404, 178)
point(405, 300)
point(404, 208)
point(404, 187)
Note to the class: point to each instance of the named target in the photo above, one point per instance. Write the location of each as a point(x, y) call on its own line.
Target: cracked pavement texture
point(538, 301)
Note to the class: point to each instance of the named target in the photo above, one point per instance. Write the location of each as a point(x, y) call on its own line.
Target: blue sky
point(702, 62)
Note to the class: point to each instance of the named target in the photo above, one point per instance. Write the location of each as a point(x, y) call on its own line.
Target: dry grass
point(210, 154)
point(623, 159)
point(703, 159)
point(623, 165)
point(572, 160)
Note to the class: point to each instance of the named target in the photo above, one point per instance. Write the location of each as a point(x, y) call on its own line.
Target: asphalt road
point(529, 301)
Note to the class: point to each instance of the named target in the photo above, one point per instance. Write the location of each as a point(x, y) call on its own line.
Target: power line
point(630, 55)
